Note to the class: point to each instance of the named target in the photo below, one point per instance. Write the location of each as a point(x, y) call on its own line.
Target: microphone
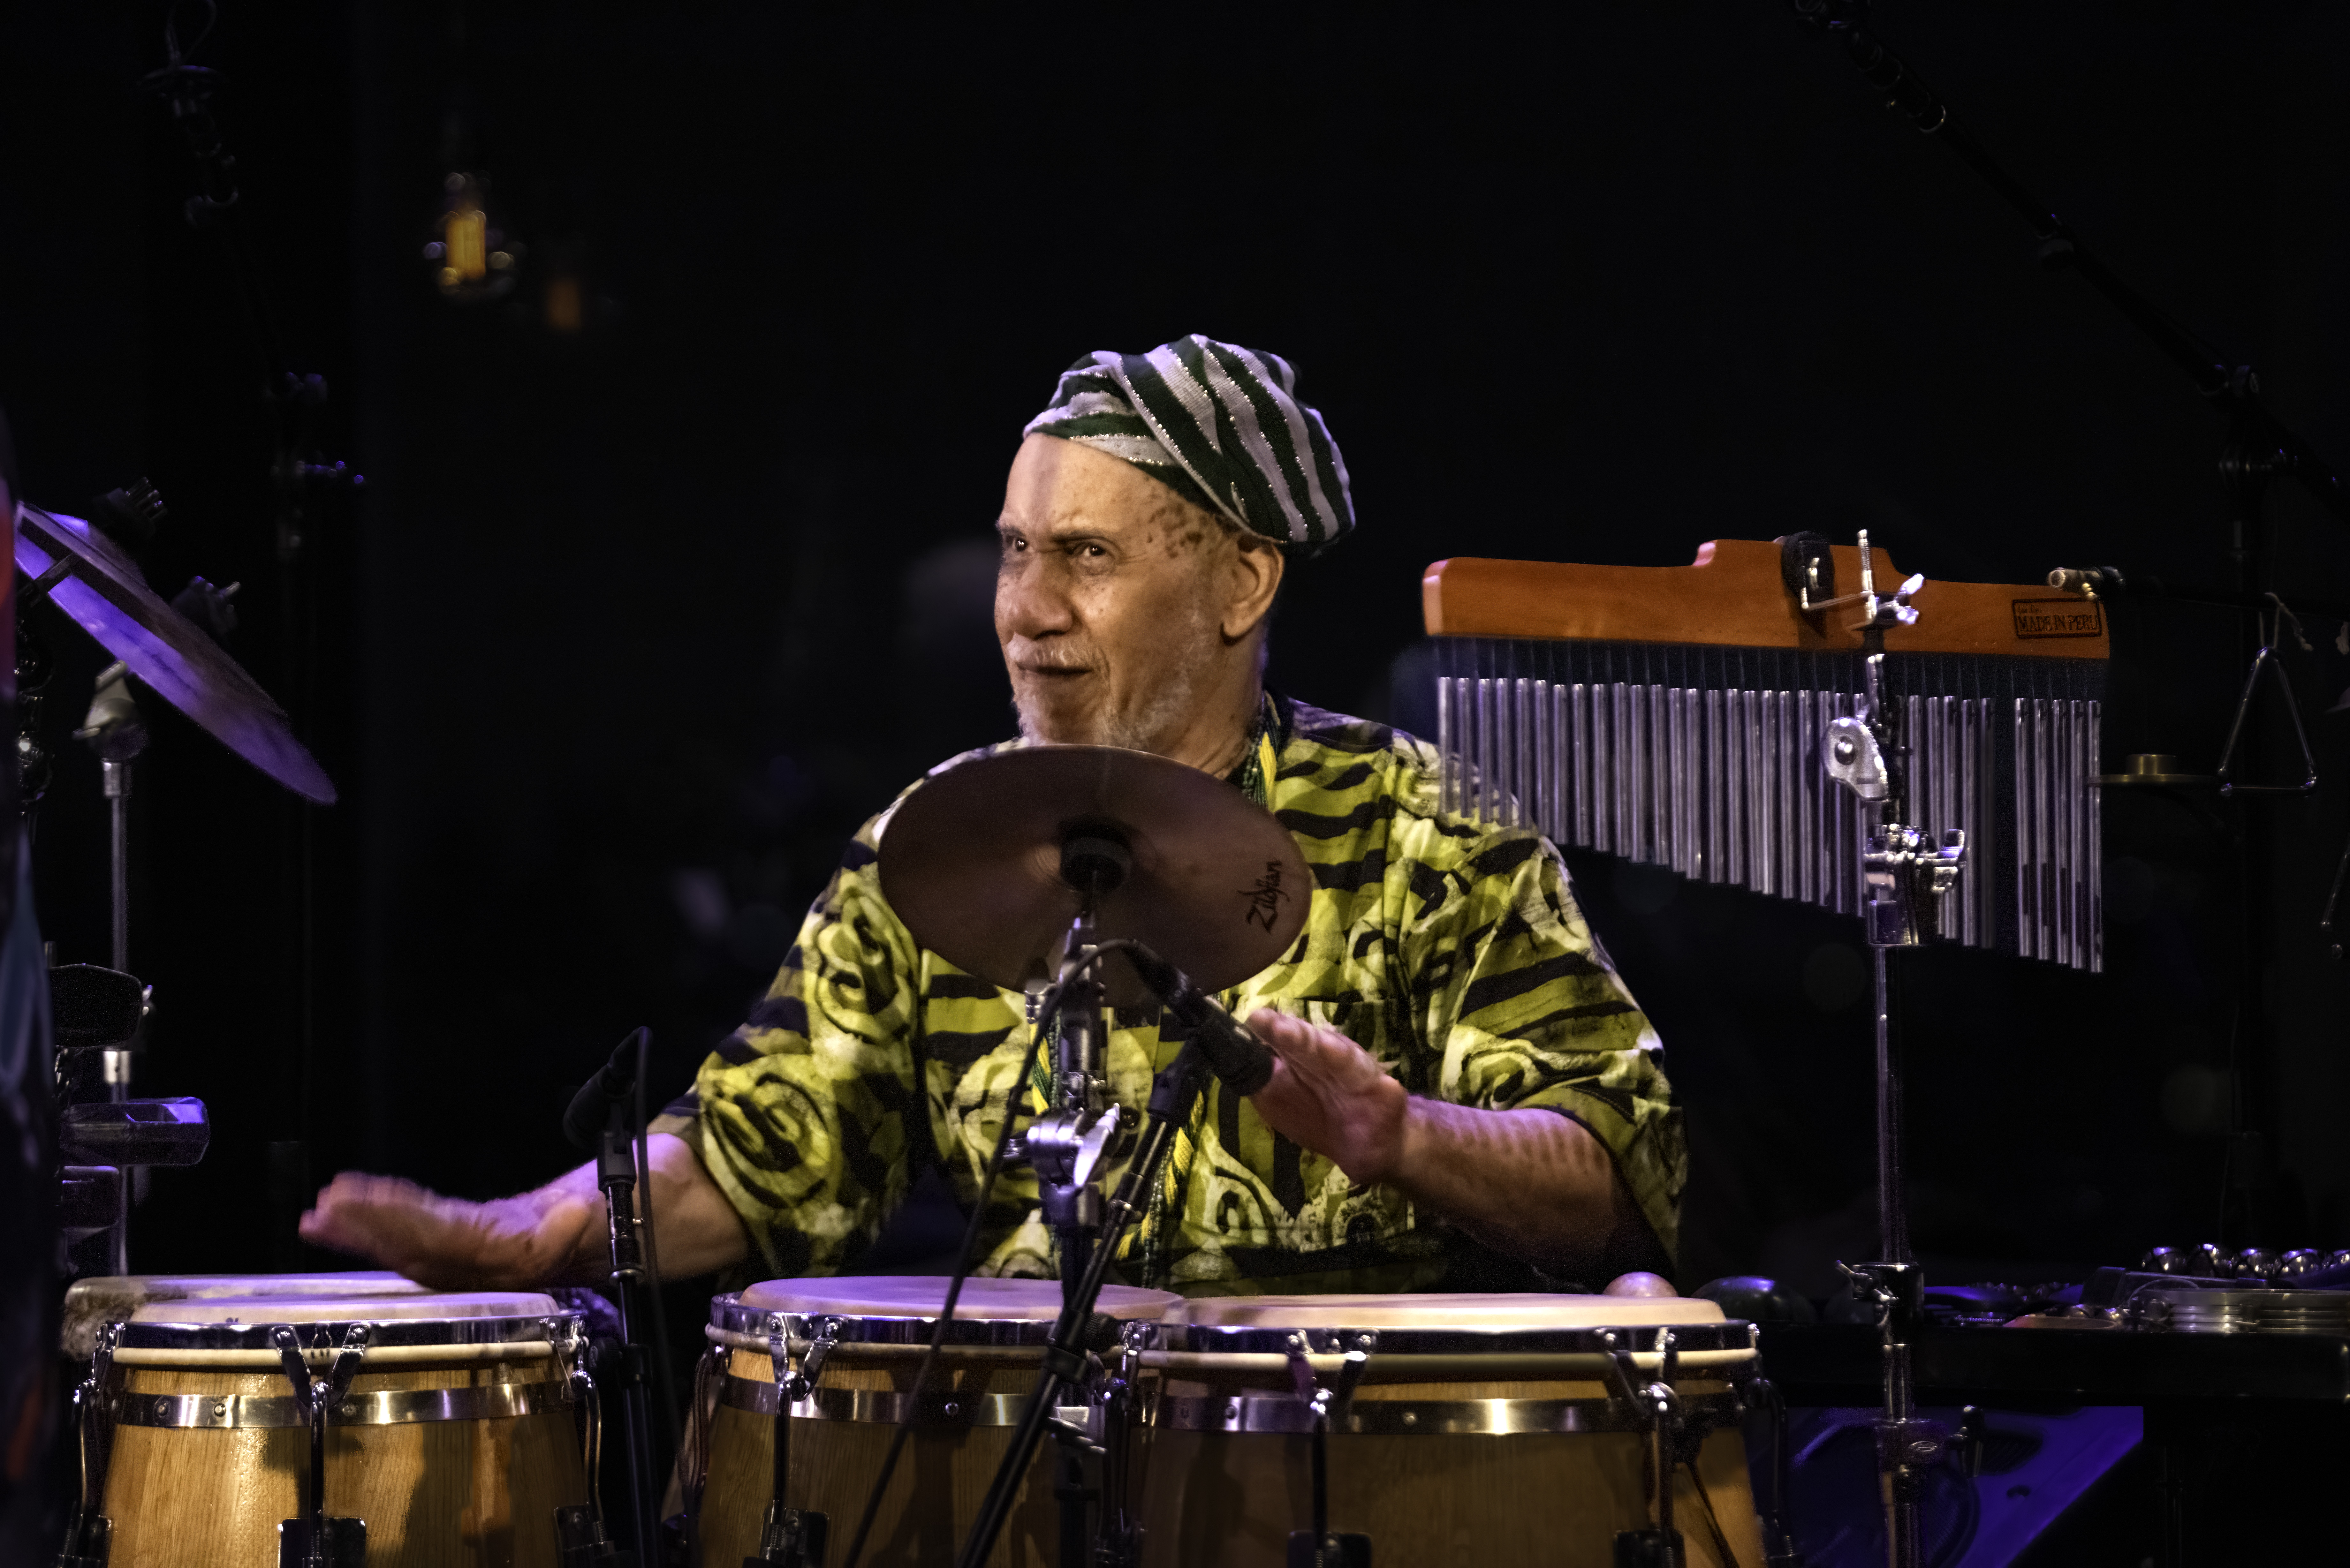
point(1238, 1058)
point(614, 1084)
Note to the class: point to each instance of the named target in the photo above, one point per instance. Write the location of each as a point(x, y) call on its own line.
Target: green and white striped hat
point(1219, 423)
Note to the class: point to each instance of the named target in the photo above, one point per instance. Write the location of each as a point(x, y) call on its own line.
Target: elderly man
point(1466, 1097)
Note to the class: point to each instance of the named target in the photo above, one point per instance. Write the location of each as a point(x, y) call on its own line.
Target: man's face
point(1107, 601)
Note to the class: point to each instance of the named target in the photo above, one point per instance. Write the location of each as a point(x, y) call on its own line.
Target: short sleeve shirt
point(1452, 951)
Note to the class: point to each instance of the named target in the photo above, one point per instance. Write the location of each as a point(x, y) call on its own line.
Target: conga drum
point(455, 1440)
point(1480, 1429)
point(873, 1331)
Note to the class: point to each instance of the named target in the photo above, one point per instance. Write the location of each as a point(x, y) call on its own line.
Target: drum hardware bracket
point(580, 1538)
point(1118, 1543)
point(1660, 1545)
point(794, 1537)
point(318, 1540)
point(89, 1537)
point(1319, 1546)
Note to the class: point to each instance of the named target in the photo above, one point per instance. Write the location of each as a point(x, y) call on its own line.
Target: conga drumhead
point(116, 1298)
point(1445, 1311)
point(922, 1295)
point(339, 1308)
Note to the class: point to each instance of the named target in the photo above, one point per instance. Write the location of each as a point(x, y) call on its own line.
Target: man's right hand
point(449, 1244)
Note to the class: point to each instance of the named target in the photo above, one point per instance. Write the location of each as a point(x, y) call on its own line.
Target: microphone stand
point(611, 1094)
point(616, 1173)
point(2260, 448)
point(299, 476)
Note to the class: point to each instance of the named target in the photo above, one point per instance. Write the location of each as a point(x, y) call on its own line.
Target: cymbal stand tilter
point(1903, 876)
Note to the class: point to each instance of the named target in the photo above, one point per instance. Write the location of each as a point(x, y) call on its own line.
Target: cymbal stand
point(1903, 876)
point(1066, 1147)
point(1068, 1352)
point(117, 735)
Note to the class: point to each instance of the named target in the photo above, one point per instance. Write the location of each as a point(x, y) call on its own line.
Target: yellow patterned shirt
point(1453, 952)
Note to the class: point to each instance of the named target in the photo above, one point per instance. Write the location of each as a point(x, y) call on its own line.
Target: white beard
point(1185, 656)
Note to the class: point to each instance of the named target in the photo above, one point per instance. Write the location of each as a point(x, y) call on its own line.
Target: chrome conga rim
point(561, 1326)
point(1501, 1345)
point(1287, 1415)
point(749, 1328)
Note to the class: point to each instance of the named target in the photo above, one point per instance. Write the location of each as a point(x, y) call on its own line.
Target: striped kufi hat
point(1222, 426)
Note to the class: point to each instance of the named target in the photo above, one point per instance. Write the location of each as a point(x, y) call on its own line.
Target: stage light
point(472, 259)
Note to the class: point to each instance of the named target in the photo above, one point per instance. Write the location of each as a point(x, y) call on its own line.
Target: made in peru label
point(2059, 618)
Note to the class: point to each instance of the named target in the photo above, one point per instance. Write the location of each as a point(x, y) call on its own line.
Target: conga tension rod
point(318, 1540)
point(1317, 1546)
point(794, 1537)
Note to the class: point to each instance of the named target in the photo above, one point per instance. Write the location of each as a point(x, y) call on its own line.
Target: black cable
point(664, 1387)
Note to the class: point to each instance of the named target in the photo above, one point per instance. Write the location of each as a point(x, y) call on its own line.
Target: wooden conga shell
point(952, 1455)
point(1422, 1494)
point(476, 1488)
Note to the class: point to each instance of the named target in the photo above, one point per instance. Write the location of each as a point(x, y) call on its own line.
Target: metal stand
point(116, 731)
point(300, 476)
point(1903, 876)
point(616, 1173)
point(1066, 1351)
point(1067, 1147)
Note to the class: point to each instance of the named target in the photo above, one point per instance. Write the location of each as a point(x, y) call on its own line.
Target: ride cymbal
point(107, 596)
point(971, 862)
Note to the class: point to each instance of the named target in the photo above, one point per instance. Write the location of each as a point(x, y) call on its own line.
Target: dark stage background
point(643, 610)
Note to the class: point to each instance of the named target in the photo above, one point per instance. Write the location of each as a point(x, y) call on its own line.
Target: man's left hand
point(1330, 1095)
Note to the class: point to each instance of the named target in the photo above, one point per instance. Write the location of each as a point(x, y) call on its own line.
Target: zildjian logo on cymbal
point(1265, 898)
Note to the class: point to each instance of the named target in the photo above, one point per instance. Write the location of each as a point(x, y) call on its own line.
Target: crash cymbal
point(971, 862)
point(107, 596)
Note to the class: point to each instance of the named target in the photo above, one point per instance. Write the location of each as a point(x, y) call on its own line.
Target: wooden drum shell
point(456, 1493)
point(1231, 1498)
point(941, 1478)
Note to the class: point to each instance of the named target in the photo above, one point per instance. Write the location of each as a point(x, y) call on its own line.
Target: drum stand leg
point(1903, 872)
